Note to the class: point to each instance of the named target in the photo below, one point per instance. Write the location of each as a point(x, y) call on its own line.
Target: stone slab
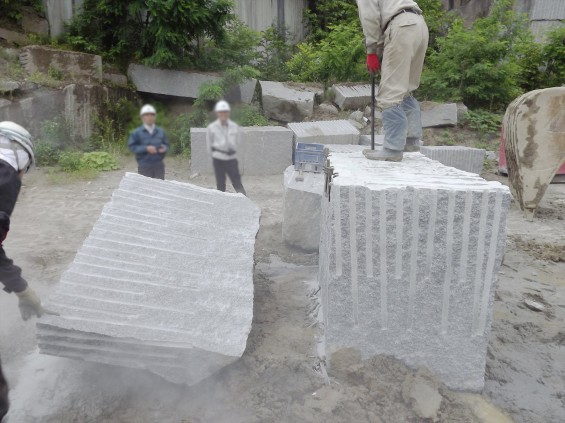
point(438, 114)
point(243, 93)
point(284, 103)
point(265, 150)
point(75, 66)
point(302, 208)
point(409, 256)
point(366, 139)
point(154, 271)
point(462, 158)
point(325, 132)
point(352, 97)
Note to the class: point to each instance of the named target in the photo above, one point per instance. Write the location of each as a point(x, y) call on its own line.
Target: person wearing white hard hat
point(223, 139)
point(149, 144)
point(16, 157)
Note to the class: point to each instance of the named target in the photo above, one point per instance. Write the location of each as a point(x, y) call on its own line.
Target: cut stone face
point(438, 114)
point(265, 150)
point(350, 97)
point(284, 103)
point(462, 158)
point(155, 287)
point(302, 207)
point(325, 132)
point(409, 256)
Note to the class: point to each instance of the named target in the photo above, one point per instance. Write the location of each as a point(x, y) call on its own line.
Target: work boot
point(386, 155)
point(412, 145)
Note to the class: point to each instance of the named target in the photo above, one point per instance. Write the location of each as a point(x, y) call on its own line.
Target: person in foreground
point(223, 139)
point(16, 157)
point(396, 34)
point(149, 144)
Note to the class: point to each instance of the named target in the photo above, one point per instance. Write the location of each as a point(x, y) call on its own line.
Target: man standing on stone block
point(396, 34)
point(223, 139)
point(149, 144)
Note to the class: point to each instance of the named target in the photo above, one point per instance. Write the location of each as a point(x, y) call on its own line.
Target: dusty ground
point(278, 378)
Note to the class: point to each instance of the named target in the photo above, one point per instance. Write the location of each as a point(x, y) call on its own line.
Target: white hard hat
point(148, 109)
point(222, 106)
point(20, 136)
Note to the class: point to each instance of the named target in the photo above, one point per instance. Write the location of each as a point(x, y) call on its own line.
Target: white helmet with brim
point(148, 109)
point(222, 106)
point(21, 137)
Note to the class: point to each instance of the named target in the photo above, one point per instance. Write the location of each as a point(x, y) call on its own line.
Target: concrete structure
point(74, 66)
point(154, 286)
point(545, 15)
point(325, 132)
point(286, 104)
point(265, 150)
point(409, 256)
point(351, 97)
point(462, 158)
point(534, 143)
point(59, 12)
point(438, 114)
point(302, 207)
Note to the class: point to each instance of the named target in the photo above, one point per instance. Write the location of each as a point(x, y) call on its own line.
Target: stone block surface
point(286, 104)
point(153, 285)
point(75, 66)
point(302, 208)
point(438, 114)
point(409, 256)
point(350, 97)
point(325, 132)
point(462, 158)
point(265, 150)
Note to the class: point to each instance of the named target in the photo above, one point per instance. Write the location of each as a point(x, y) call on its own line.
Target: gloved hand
point(30, 304)
point(373, 63)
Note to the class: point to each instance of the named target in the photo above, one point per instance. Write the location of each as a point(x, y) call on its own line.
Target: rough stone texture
point(155, 287)
point(462, 158)
point(328, 108)
point(325, 132)
point(14, 37)
point(116, 78)
point(9, 86)
point(31, 22)
point(462, 111)
point(438, 114)
point(350, 97)
point(534, 143)
point(60, 12)
point(302, 207)
point(265, 150)
point(284, 103)
point(423, 396)
point(243, 93)
point(409, 255)
point(366, 139)
point(75, 66)
point(82, 104)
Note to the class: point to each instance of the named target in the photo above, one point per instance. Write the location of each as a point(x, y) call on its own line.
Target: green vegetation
point(12, 9)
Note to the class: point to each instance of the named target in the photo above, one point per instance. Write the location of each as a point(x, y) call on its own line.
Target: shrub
point(13, 8)
point(98, 160)
point(46, 154)
point(70, 161)
point(275, 52)
point(179, 135)
point(249, 115)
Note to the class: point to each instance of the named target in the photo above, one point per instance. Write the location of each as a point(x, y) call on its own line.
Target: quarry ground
point(278, 379)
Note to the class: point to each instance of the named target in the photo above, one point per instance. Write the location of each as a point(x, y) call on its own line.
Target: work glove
point(373, 63)
point(30, 304)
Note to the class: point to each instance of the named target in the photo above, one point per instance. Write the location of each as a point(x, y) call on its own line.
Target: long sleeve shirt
point(223, 141)
point(375, 16)
point(141, 138)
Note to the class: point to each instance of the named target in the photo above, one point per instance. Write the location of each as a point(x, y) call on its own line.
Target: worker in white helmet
point(149, 144)
point(224, 139)
point(16, 157)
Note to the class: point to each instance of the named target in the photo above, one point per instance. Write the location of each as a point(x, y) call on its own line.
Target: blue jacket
point(140, 139)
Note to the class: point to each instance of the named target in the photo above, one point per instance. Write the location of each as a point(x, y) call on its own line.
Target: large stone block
point(351, 97)
point(302, 208)
point(462, 158)
point(153, 285)
point(325, 132)
point(438, 114)
point(409, 256)
point(75, 66)
point(265, 150)
point(286, 104)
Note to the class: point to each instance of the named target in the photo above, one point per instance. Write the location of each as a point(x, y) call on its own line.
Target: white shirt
point(16, 157)
point(223, 140)
point(150, 129)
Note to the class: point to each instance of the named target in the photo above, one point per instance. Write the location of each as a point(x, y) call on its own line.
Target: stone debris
point(357, 116)
point(328, 108)
point(154, 286)
point(421, 392)
point(438, 114)
point(462, 158)
point(351, 97)
point(409, 256)
point(534, 305)
point(265, 150)
point(286, 104)
point(302, 207)
point(325, 132)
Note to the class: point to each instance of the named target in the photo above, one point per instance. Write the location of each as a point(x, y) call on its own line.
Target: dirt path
point(277, 378)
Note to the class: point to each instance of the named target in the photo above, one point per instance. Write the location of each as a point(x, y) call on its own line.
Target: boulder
point(328, 108)
point(351, 97)
point(286, 104)
point(154, 287)
point(325, 132)
point(438, 114)
point(243, 93)
point(74, 66)
point(357, 116)
point(33, 23)
point(7, 86)
point(13, 37)
point(462, 111)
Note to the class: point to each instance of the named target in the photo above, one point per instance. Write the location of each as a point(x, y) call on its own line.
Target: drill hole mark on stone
point(490, 264)
point(108, 209)
point(338, 236)
point(102, 232)
point(399, 234)
point(431, 232)
point(161, 195)
point(448, 264)
point(125, 200)
point(413, 257)
point(120, 314)
point(118, 291)
point(165, 250)
point(95, 276)
point(353, 253)
point(137, 229)
point(369, 232)
point(383, 257)
point(484, 210)
point(118, 252)
point(464, 258)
